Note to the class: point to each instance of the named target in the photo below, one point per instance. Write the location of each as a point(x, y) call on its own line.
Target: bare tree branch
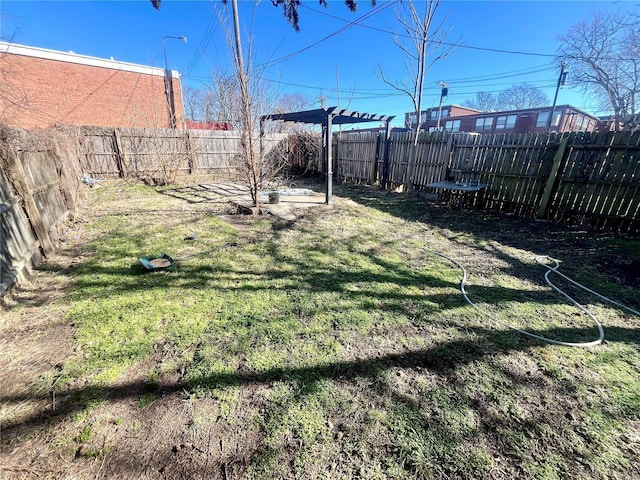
point(603, 53)
point(521, 96)
point(484, 101)
point(425, 47)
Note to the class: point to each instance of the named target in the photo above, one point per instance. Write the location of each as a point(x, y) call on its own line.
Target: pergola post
point(327, 117)
point(329, 189)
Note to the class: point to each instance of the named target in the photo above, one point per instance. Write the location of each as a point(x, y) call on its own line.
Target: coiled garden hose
point(550, 269)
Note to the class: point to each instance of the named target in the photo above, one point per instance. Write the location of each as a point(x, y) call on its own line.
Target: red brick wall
point(38, 93)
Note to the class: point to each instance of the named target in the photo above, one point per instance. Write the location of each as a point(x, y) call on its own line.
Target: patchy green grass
point(339, 346)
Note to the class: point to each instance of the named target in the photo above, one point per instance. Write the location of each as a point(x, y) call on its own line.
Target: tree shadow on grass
point(442, 359)
point(303, 275)
point(602, 260)
point(301, 272)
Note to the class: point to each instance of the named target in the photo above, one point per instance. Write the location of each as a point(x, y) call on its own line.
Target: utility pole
point(168, 82)
point(562, 79)
point(443, 93)
point(239, 62)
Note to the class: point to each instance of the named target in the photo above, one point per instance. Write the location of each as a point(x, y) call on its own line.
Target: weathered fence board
point(600, 179)
point(39, 187)
point(432, 159)
point(165, 153)
point(588, 177)
point(355, 154)
point(18, 245)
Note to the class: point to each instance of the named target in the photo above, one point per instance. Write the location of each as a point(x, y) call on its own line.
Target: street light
point(168, 87)
point(443, 93)
point(164, 49)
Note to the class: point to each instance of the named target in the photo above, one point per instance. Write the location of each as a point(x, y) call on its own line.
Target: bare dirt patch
point(35, 341)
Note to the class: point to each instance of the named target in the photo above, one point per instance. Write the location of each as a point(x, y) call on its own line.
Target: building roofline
point(448, 106)
point(521, 110)
point(458, 106)
point(546, 107)
point(71, 57)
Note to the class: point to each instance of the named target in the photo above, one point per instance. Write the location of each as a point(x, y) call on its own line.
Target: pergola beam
point(327, 117)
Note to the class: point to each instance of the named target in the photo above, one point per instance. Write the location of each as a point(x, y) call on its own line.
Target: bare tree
point(521, 96)
point(425, 46)
point(13, 95)
point(603, 54)
point(240, 97)
point(250, 160)
point(291, 102)
point(245, 84)
point(222, 99)
point(192, 99)
point(484, 101)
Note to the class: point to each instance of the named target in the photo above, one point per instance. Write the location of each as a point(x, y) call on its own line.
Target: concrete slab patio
point(290, 200)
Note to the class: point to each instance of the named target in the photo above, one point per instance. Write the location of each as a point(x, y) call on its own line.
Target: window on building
point(424, 117)
point(452, 125)
point(543, 118)
point(432, 129)
point(413, 118)
point(484, 123)
point(434, 114)
point(556, 119)
point(506, 122)
point(445, 112)
point(580, 123)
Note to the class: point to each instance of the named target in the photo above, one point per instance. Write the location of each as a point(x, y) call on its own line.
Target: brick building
point(429, 117)
point(40, 88)
point(461, 119)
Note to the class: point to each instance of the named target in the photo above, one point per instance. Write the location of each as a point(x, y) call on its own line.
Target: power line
point(500, 76)
point(390, 93)
point(404, 35)
point(373, 92)
point(376, 10)
point(472, 47)
point(204, 43)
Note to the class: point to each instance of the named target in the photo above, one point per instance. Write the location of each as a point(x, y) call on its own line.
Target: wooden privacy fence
point(165, 154)
point(41, 176)
point(39, 186)
point(579, 177)
point(356, 155)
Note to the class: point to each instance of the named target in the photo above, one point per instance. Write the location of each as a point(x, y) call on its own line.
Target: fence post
point(374, 168)
point(187, 139)
point(336, 154)
point(552, 181)
point(385, 159)
point(119, 153)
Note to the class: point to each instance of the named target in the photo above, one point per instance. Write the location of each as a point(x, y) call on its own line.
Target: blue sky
point(340, 67)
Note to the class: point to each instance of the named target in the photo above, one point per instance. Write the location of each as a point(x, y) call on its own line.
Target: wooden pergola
point(327, 117)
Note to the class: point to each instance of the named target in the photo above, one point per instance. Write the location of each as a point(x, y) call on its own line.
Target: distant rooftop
point(519, 110)
point(71, 57)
